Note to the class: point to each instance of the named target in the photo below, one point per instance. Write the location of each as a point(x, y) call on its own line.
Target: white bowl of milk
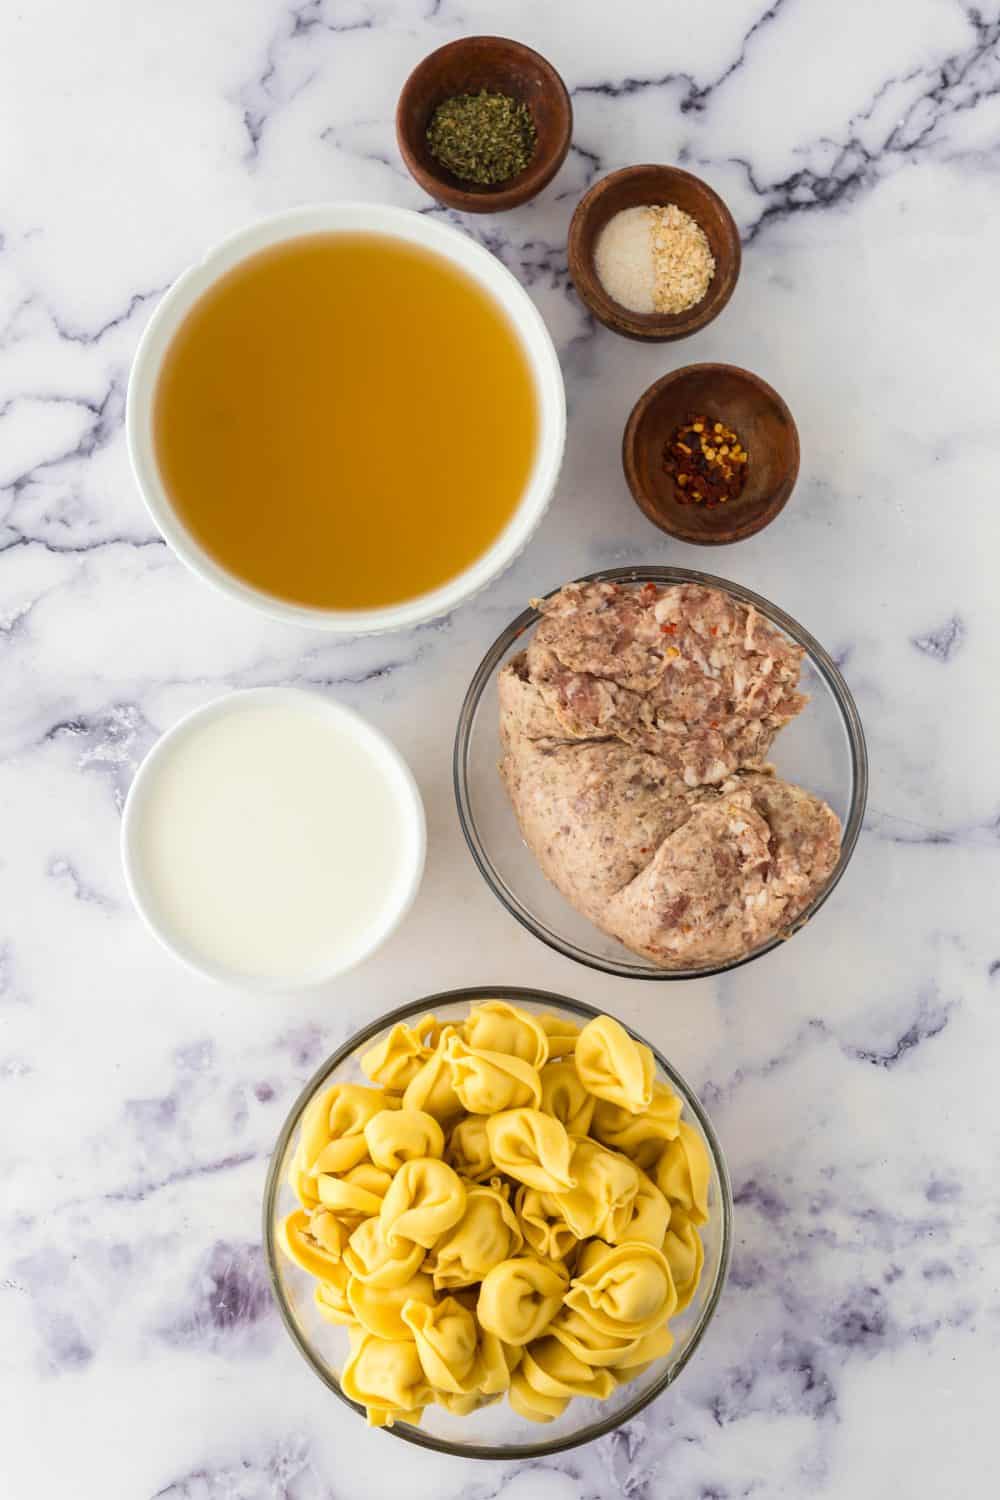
point(273, 839)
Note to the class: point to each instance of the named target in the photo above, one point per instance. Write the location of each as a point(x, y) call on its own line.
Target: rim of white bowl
point(352, 216)
point(383, 750)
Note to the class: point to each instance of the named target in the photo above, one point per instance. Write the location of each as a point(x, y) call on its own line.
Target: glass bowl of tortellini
point(497, 1223)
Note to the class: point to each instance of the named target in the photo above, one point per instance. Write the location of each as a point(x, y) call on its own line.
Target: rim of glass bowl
point(820, 659)
point(274, 1179)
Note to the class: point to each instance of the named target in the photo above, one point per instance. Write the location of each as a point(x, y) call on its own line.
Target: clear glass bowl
point(822, 750)
point(494, 1431)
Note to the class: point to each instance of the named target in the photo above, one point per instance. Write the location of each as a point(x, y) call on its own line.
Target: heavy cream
point(273, 837)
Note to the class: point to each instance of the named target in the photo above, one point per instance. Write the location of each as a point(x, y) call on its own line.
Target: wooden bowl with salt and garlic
point(656, 187)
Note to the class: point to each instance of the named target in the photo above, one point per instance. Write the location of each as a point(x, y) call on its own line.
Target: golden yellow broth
point(345, 421)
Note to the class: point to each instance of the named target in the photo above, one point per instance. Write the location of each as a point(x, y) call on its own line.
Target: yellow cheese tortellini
point(529, 1403)
point(468, 1149)
point(457, 1354)
point(423, 1200)
point(430, 1088)
point(487, 1082)
point(551, 1370)
point(542, 1224)
point(386, 1376)
point(331, 1298)
point(487, 1233)
point(379, 1310)
point(332, 1138)
point(685, 1255)
point(648, 1215)
point(641, 1137)
point(533, 1148)
point(512, 1208)
point(315, 1242)
point(519, 1298)
point(560, 1032)
point(601, 1202)
point(564, 1096)
point(683, 1172)
point(588, 1344)
point(496, 1026)
point(356, 1195)
point(623, 1291)
point(370, 1257)
point(395, 1061)
point(614, 1066)
point(397, 1135)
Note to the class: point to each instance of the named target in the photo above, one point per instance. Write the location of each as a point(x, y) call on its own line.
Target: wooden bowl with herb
point(711, 454)
point(654, 253)
point(483, 124)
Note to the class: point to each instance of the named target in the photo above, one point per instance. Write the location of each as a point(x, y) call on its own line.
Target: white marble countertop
point(851, 1074)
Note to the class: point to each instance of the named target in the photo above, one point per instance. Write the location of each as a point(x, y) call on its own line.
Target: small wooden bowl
point(503, 67)
point(631, 188)
point(752, 409)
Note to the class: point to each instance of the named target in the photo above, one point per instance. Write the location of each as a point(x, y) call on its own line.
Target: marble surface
point(851, 1075)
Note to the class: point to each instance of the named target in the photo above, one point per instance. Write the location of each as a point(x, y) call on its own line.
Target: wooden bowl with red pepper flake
point(680, 458)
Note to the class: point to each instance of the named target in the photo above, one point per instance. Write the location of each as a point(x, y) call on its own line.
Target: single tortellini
point(531, 1404)
point(551, 1370)
point(379, 1309)
point(519, 1298)
point(640, 1137)
point(533, 1148)
point(614, 1066)
point(423, 1200)
point(331, 1297)
point(314, 1242)
point(468, 1149)
point(685, 1255)
point(369, 1256)
point(431, 1089)
point(683, 1173)
point(651, 1346)
point(398, 1135)
point(561, 1034)
point(496, 1026)
point(606, 1185)
point(648, 1216)
point(357, 1195)
point(395, 1061)
point(386, 1377)
point(456, 1354)
point(332, 1138)
point(487, 1233)
point(301, 1180)
point(589, 1345)
point(487, 1082)
point(542, 1224)
point(624, 1291)
point(564, 1096)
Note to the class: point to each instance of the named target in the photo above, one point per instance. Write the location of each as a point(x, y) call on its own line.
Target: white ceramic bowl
point(371, 218)
point(400, 785)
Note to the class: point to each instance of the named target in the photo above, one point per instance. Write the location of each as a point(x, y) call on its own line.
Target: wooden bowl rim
point(767, 510)
point(536, 175)
point(652, 327)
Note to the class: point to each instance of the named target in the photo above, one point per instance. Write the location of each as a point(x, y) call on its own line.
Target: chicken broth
point(346, 421)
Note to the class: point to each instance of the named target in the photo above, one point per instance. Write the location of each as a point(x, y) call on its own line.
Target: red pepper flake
point(713, 723)
point(715, 629)
point(669, 629)
point(707, 461)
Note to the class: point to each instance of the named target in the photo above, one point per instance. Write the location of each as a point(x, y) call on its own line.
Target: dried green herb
point(484, 138)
